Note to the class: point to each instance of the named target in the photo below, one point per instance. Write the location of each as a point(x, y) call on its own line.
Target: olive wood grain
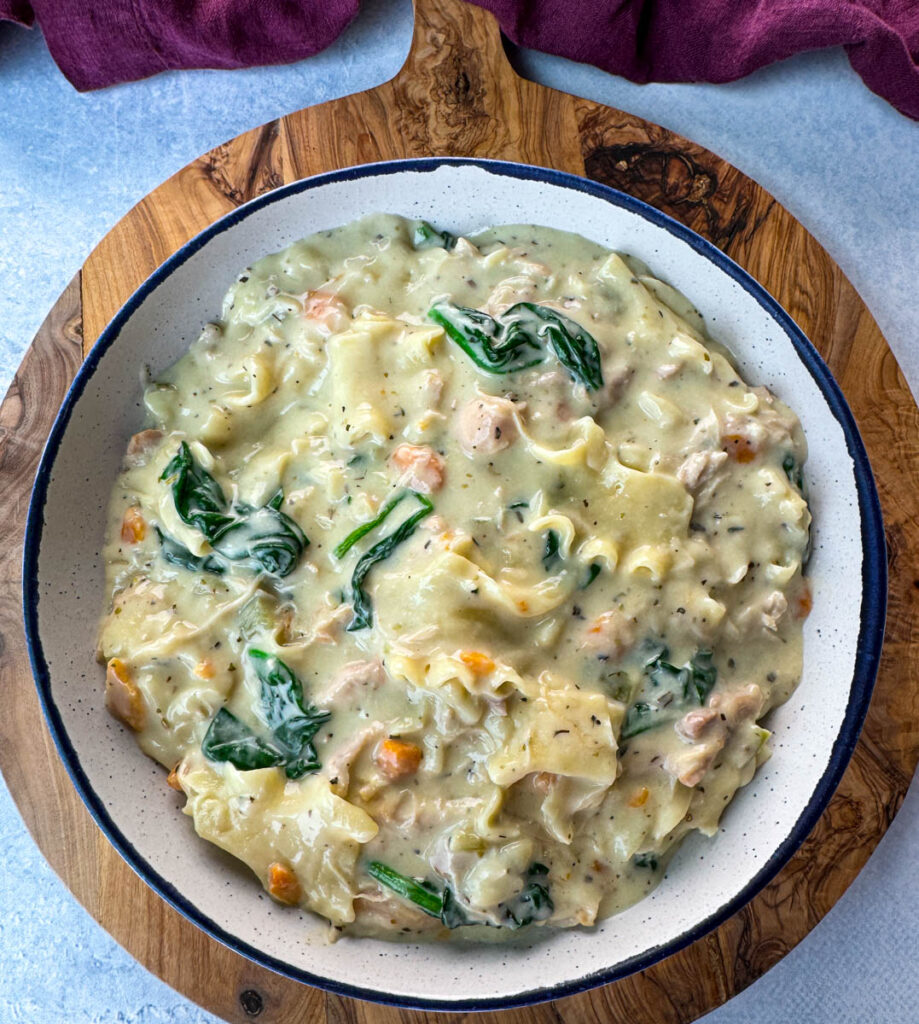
point(457, 95)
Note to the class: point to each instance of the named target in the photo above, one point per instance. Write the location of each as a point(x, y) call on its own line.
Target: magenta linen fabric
point(100, 42)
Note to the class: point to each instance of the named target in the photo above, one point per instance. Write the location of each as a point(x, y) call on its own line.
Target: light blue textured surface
point(840, 159)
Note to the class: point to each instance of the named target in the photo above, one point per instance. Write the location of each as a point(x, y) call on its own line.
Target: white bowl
point(815, 732)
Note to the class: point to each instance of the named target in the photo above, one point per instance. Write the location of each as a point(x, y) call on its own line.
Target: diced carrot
point(133, 526)
point(172, 779)
point(804, 602)
point(639, 797)
point(396, 758)
point(524, 606)
point(283, 884)
point(480, 663)
point(739, 448)
point(122, 696)
point(205, 669)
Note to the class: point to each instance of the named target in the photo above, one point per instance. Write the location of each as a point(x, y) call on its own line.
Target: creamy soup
point(451, 578)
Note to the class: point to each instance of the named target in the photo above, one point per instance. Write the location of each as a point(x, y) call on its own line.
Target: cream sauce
point(566, 659)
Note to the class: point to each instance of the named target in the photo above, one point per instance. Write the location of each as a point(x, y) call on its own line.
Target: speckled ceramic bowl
point(815, 732)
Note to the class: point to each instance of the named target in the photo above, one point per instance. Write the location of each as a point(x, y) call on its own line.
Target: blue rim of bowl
point(871, 631)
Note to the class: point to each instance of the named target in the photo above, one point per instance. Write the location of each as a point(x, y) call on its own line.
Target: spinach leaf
point(229, 739)
point(294, 723)
point(177, 554)
point(483, 339)
point(793, 471)
point(645, 860)
point(593, 572)
point(702, 677)
point(355, 535)
point(452, 912)
point(550, 553)
point(199, 499)
point(363, 610)
point(426, 236)
point(266, 537)
point(674, 688)
point(668, 677)
point(640, 717)
point(422, 894)
point(533, 903)
point(516, 339)
point(574, 348)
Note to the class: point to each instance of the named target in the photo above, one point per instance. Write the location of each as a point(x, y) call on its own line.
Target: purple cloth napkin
point(100, 42)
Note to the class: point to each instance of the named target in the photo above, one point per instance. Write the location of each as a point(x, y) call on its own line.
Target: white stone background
point(839, 158)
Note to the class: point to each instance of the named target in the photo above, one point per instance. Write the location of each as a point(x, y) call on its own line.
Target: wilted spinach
point(293, 722)
point(671, 689)
point(177, 554)
point(515, 340)
point(426, 236)
point(532, 903)
point(550, 554)
point(265, 537)
point(293, 725)
point(229, 739)
point(363, 610)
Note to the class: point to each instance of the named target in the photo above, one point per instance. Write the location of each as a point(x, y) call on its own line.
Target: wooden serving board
point(457, 95)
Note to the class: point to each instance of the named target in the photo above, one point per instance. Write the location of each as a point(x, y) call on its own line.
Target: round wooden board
point(458, 96)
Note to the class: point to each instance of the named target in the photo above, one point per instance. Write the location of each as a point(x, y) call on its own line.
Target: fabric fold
point(104, 42)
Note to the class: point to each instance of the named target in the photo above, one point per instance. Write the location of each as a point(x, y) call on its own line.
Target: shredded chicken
point(707, 730)
point(326, 310)
point(351, 679)
point(141, 445)
point(338, 767)
point(699, 468)
point(611, 634)
point(419, 467)
point(486, 425)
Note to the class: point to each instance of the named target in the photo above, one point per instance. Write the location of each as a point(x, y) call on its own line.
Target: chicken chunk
point(699, 468)
point(689, 766)
point(338, 767)
point(326, 310)
point(141, 446)
point(352, 678)
point(697, 722)
point(610, 634)
point(738, 705)
point(419, 467)
point(486, 425)
point(707, 730)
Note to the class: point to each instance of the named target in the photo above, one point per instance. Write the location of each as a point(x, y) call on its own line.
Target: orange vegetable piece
point(640, 797)
point(122, 696)
point(172, 779)
point(805, 602)
point(283, 884)
point(480, 663)
point(396, 758)
point(133, 526)
point(205, 669)
point(739, 448)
